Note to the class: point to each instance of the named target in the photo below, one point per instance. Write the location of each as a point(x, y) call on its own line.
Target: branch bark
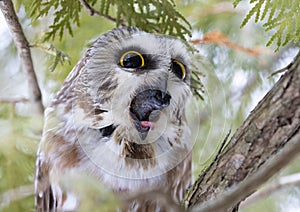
point(235, 195)
point(92, 11)
point(15, 194)
point(282, 183)
point(274, 123)
point(23, 47)
point(13, 100)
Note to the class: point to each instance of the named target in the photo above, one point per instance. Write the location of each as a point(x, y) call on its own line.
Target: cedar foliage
point(150, 15)
point(20, 135)
point(282, 16)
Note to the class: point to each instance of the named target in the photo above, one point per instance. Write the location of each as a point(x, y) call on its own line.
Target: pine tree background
point(237, 46)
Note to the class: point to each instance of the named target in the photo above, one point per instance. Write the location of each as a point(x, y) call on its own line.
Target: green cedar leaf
point(283, 18)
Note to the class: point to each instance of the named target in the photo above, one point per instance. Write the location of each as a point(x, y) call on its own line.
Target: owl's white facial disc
point(134, 87)
point(133, 74)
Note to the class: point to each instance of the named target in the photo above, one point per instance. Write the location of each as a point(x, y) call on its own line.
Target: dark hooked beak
point(145, 109)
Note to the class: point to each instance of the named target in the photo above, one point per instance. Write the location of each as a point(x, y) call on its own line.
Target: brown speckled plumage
point(92, 127)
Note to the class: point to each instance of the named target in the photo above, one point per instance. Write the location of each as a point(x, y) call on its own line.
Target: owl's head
point(137, 80)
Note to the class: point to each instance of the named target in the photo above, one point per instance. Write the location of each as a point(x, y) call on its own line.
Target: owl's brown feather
point(124, 126)
point(44, 199)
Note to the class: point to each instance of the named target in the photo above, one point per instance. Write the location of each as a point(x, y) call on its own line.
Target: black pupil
point(132, 60)
point(177, 70)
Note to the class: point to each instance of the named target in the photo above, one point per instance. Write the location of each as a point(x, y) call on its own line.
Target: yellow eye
point(178, 69)
point(132, 59)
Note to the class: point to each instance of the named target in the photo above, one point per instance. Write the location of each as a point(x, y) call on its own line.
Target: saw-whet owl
point(120, 118)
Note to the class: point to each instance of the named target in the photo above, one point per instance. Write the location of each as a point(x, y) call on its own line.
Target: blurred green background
point(234, 82)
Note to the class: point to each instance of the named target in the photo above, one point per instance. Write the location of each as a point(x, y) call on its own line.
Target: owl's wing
point(180, 178)
point(44, 198)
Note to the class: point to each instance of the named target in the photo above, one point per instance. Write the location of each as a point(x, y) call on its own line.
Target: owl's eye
point(178, 69)
point(132, 59)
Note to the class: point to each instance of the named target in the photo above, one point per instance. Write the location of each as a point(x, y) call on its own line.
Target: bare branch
point(92, 11)
point(16, 194)
point(22, 45)
point(283, 182)
point(274, 123)
point(234, 195)
point(288, 66)
point(217, 37)
point(13, 100)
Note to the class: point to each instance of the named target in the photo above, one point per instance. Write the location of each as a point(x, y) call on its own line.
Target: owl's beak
point(145, 109)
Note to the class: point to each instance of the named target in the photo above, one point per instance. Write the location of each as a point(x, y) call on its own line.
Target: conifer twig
point(13, 100)
point(92, 11)
point(23, 47)
point(281, 183)
point(15, 194)
point(266, 142)
point(239, 192)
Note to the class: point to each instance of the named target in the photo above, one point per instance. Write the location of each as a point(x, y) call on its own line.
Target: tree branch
point(283, 182)
point(13, 100)
point(240, 191)
point(271, 125)
point(22, 45)
point(217, 37)
point(92, 11)
point(15, 194)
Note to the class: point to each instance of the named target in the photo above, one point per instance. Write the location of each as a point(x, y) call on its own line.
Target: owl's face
point(120, 117)
point(140, 81)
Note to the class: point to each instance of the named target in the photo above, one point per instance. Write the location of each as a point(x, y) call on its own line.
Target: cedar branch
point(23, 47)
point(15, 194)
point(274, 123)
point(282, 183)
point(249, 185)
point(92, 11)
point(13, 100)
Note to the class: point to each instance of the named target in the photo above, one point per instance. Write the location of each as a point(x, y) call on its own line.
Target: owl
point(120, 118)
